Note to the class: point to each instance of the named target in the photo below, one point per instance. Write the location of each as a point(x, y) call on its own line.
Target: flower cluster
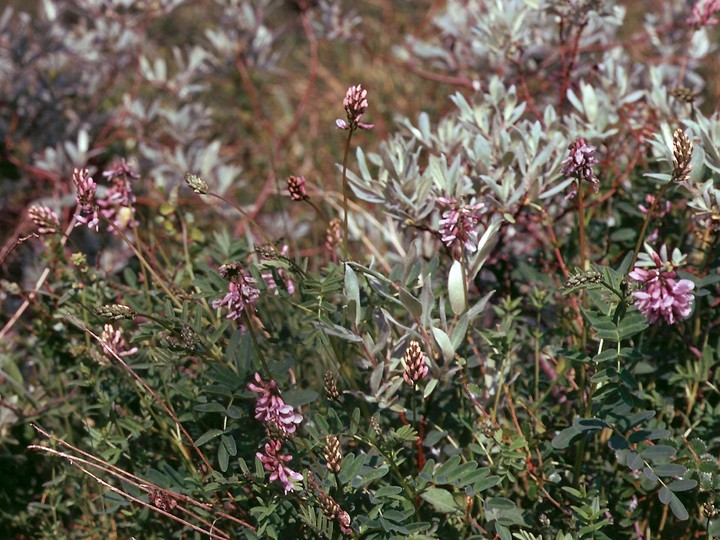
point(579, 164)
point(269, 277)
point(703, 13)
point(333, 236)
point(416, 368)
point(661, 210)
point(118, 206)
point(46, 220)
point(281, 419)
point(114, 340)
point(271, 409)
point(682, 154)
point(86, 191)
point(242, 291)
point(663, 296)
point(274, 463)
point(458, 225)
point(355, 104)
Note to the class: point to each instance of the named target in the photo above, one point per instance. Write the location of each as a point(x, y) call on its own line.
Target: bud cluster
point(115, 312)
point(682, 154)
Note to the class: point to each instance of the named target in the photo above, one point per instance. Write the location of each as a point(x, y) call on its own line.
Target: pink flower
point(663, 297)
point(118, 206)
point(271, 409)
point(344, 521)
point(649, 200)
point(579, 164)
point(355, 104)
point(242, 292)
point(270, 278)
point(121, 169)
point(275, 464)
point(702, 13)
point(86, 189)
point(459, 222)
point(115, 341)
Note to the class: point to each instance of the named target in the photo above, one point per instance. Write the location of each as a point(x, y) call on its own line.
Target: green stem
point(581, 219)
point(646, 223)
point(244, 214)
point(146, 264)
point(345, 193)
point(256, 345)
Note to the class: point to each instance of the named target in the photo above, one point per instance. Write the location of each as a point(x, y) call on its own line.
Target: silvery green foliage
point(331, 21)
point(241, 30)
point(86, 74)
point(488, 150)
point(479, 36)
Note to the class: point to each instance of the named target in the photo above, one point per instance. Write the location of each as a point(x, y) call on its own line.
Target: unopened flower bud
point(682, 154)
point(296, 188)
point(330, 387)
point(115, 312)
point(416, 368)
point(196, 183)
point(332, 453)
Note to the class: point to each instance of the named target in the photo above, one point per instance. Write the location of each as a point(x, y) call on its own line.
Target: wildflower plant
point(494, 315)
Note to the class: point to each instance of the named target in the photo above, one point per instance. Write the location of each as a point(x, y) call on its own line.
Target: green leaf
point(669, 469)
point(350, 466)
point(441, 500)
point(563, 439)
point(430, 387)
point(678, 508)
point(298, 396)
point(352, 292)
point(682, 485)
point(605, 356)
point(229, 444)
point(223, 457)
point(590, 424)
point(451, 464)
point(208, 436)
point(456, 288)
point(370, 476)
point(212, 406)
point(659, 451)
point(411, 303)
point(486, 483)
point(445, 344)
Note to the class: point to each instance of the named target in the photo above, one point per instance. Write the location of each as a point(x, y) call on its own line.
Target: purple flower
point(275, 464)
point(662, 297)
point(271, 409)
point(579, 164)
point(459, 222)
point(355, 104)
point(115, 341)
point(46, 220)
point(242, 292)
point(702, 13)
point(86, 189)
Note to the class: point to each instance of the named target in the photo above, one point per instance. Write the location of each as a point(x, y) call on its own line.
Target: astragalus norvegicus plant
point(289, 273)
